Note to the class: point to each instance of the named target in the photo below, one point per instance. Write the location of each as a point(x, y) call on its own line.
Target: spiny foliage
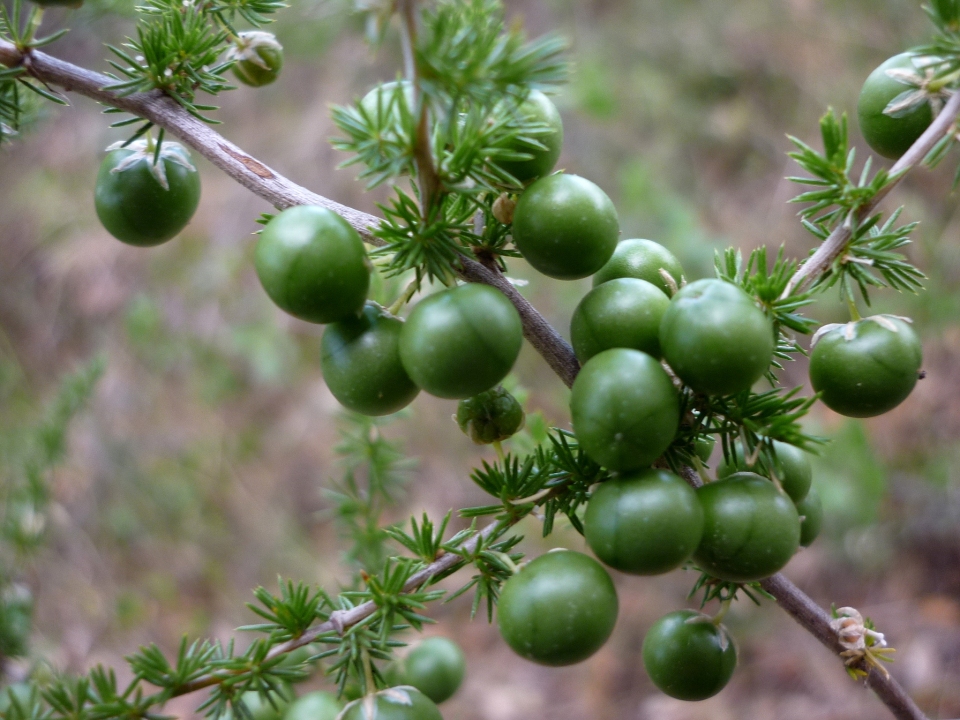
point(176, 52)
point(376, 470)
point(28, 455)
point(870, 257)
point(471, 75)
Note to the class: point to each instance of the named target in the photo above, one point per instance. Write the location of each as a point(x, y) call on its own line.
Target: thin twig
point(343, 620)
point(271, 185)
point(834, 245)
point(280, 191)
point(166, 113)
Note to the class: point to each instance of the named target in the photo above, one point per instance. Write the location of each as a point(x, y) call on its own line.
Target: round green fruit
point(565, 226)
point(559, 609)
point(360, 361)
point(751, 529)
point(313, 264)
point(715, 338)
point(793, 470)
point(435, 667)
point(257, 57)
point(644, 524)
point(867, 367)
point(491, 416)
point(625, 409)
point(888, 135)
point(396, 703)
point(810, 510)
point(537, 108)
point(687, 656)
point(791, 467)
point(317, 705)
point(143, 203)
point(643, 260)
point(460, 342)
point(621, 313)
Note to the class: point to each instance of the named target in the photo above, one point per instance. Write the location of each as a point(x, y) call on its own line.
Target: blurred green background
point(198, 470)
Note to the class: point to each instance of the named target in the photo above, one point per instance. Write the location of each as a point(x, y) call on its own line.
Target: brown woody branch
point(282, 193)
point(268, 183)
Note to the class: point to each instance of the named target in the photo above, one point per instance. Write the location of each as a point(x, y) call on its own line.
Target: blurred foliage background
point(199, 467)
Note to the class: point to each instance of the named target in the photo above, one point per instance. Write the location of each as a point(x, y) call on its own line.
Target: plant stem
point(368, 673)
point(405, 297)
point(427, 177)
point(852, 307)
point(833, 246)
point(722, 612)
point(701, 470)
point(939, 84)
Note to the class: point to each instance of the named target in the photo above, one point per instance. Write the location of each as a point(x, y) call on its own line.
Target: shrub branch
point(834, 245)
point(283, 193)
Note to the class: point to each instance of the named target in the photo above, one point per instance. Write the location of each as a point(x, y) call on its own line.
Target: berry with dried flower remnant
point(145, 196)
point(866, 367)
point(895, 105)
point(257, 57)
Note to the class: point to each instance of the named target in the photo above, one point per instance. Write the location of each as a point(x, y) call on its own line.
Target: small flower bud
point(258, 58)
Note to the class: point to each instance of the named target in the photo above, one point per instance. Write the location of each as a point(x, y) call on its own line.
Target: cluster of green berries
point(641, 333)
point(561, 607)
